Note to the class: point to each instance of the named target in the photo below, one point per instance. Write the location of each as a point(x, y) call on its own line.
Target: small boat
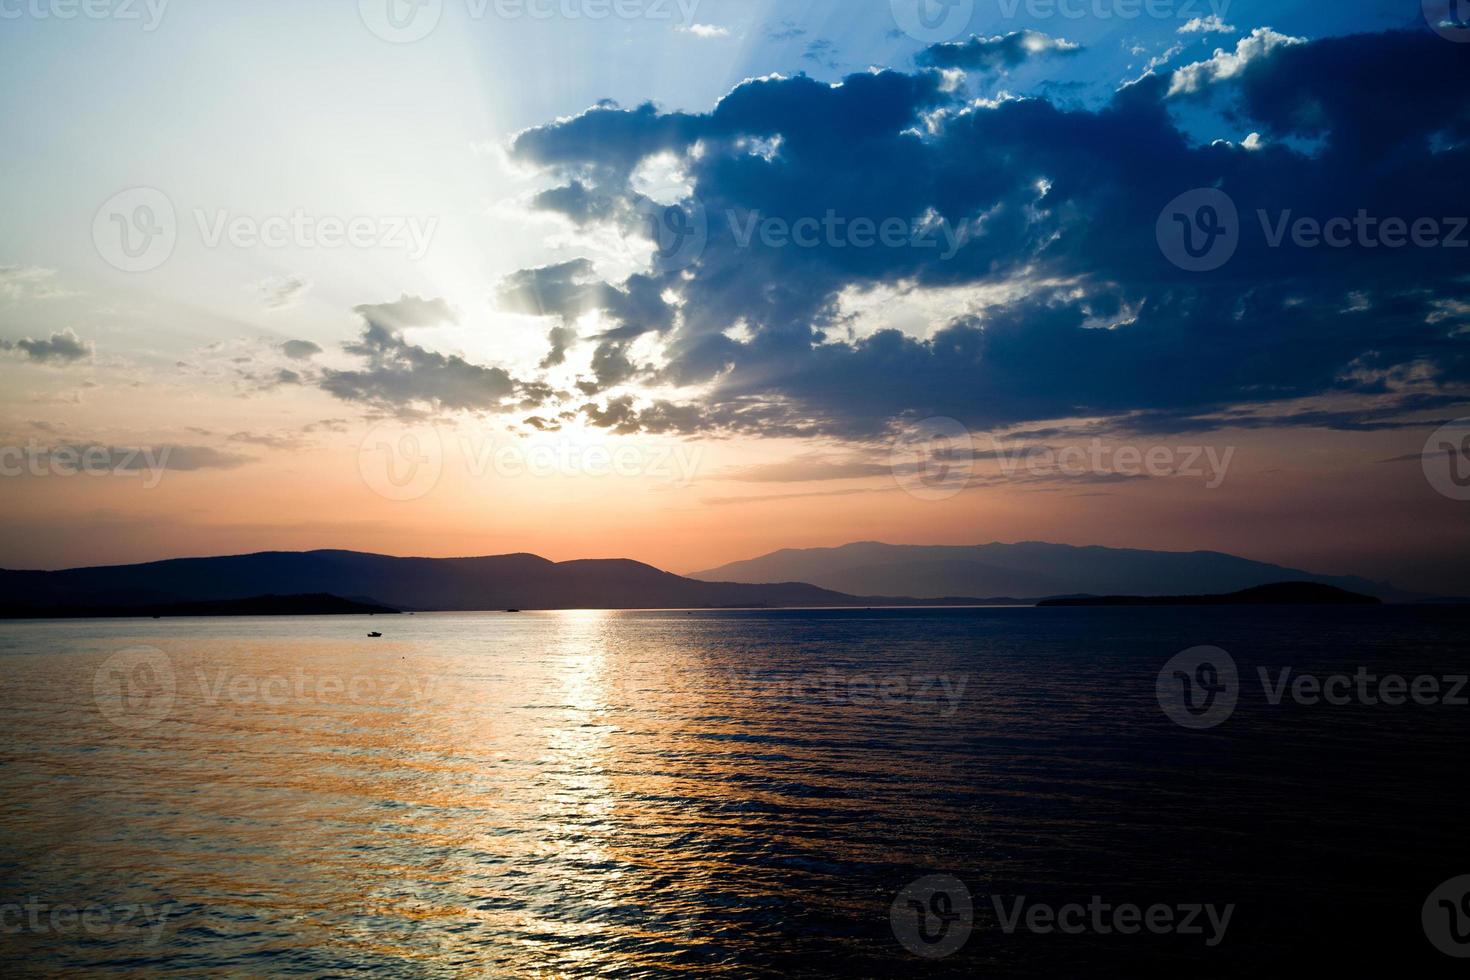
point(375, 634)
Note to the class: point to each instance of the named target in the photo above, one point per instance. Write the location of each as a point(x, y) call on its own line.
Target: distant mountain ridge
point(1028, 569)
point(519, 581)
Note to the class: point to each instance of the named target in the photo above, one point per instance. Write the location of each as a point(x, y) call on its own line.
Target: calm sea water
point(741, 793)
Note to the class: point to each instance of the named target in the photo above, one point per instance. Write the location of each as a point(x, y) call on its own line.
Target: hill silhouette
point(519, 581)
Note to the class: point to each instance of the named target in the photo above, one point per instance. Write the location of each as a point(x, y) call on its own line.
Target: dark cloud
point(822, 53)
point(406, 379)
point(571, 290)
point(988, 54)
point(785, 31)
point(401, 376)
point(300, 350)
point(60, 348)
point(269, 440)
point(1060, 206)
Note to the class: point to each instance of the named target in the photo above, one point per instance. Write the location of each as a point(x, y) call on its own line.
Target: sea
point(992, 792)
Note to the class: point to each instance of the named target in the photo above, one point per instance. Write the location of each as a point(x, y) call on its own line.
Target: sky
point(688, 281)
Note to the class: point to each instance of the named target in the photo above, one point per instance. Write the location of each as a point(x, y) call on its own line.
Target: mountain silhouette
point(1030, 568)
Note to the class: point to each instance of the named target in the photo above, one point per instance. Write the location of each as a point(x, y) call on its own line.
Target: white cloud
point(64, 347)
point(1162, 58)
point(1207, 25)
point(1224, 64)
point(281, 292)
point(704, 30)
point(31, 281)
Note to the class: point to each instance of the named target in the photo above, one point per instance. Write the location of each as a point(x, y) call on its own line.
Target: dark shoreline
point(1278, 594)
point(318, 604)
